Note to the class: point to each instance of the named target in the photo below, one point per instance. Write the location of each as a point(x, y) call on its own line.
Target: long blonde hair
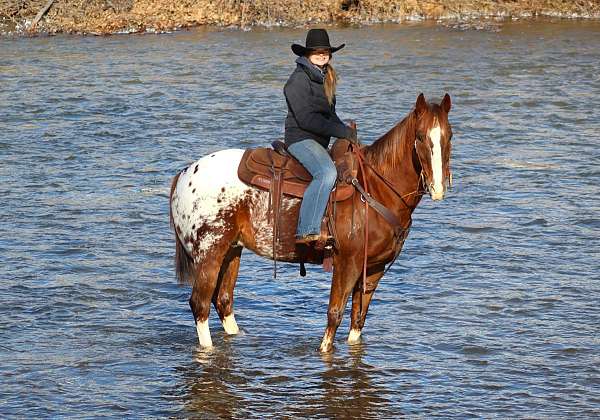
point(330, 83)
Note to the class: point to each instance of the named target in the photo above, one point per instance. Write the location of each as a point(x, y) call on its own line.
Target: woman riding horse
point(311, 122)
point(215, 215)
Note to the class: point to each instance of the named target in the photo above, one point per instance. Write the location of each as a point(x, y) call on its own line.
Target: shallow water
point(491, 310)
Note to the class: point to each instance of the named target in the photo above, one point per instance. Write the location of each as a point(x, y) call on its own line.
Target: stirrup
point(324, 242)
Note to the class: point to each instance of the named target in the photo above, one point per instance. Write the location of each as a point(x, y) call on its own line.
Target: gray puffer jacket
point(309, 113)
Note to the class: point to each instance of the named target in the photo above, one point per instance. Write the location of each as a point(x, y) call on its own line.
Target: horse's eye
point(420, 136)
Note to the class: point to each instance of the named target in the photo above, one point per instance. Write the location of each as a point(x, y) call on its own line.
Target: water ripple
point(491, 311)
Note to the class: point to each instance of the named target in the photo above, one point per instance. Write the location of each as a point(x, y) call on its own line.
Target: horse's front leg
point(360, 304)
point(342, 283)
point(223, 295)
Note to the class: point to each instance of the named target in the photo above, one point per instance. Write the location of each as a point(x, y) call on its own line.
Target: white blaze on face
point(437, 190)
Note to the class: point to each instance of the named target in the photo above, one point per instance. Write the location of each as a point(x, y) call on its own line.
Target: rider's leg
point(317, 161)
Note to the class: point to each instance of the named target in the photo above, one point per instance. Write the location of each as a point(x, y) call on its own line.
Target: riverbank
point(102, 17)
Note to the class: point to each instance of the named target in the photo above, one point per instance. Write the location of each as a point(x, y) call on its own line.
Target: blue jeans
point(317, 161)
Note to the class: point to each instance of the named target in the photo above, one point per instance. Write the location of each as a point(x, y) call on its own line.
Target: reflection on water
point(209, 383)
point(216, 382)
point(348, 388)
point(491, 311)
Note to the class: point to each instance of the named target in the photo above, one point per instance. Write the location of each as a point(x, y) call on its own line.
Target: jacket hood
point(314, 72)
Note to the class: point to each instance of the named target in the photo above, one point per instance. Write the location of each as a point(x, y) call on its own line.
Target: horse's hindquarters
point(205, 201)
point(212, 208)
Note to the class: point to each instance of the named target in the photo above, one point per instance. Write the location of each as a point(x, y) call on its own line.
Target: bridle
point(423, 180)
point(422, 187)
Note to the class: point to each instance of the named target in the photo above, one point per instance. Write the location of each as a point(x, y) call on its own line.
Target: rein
point(400, 233)
point(388, 183)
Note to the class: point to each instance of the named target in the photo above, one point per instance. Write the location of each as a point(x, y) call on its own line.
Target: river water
point(491, 310)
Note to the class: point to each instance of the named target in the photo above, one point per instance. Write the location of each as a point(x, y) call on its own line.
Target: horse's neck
point(392, 156)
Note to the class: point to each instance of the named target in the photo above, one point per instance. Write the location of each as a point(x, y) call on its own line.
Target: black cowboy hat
point(315, 39)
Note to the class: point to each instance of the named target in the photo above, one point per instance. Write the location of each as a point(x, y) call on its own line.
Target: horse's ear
point(421, 104)
point(446, 103)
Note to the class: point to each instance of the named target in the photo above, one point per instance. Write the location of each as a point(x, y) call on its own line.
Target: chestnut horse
point(215, 215)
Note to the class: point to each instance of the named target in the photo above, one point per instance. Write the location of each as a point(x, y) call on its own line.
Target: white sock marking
point(326, 344)
point(203, 334)
point(229, 325)
point(354, 336)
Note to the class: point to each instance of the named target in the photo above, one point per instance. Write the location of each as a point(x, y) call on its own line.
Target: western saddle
point(278, 172)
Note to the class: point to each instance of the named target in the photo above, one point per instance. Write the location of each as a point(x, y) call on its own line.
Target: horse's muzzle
point(437, 195)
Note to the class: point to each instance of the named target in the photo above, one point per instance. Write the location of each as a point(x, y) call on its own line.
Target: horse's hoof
point(354, 336)
point(230, 326)
point(326, 348)
point(326, 343)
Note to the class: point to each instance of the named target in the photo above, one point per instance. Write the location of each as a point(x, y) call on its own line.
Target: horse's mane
point(388, 151)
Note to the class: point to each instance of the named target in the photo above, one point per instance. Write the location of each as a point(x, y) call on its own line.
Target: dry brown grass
point(109, 16)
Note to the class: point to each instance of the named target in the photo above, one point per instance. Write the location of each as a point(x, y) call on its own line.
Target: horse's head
point(432, 144)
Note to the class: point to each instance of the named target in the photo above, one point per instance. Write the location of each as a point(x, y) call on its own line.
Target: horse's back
point(213, 174)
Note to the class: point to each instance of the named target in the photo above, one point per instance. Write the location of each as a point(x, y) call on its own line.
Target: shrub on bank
point(110, 16)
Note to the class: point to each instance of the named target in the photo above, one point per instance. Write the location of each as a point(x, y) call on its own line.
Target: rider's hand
point(353, 135)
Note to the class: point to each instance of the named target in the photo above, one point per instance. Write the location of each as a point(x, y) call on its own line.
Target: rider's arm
point(306, 109)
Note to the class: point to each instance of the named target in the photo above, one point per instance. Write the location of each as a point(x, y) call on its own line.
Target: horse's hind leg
point(204, 288)
point(223, 295)
point(360, 305)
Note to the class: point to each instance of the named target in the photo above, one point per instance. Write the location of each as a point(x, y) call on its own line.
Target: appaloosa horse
point(215, 215)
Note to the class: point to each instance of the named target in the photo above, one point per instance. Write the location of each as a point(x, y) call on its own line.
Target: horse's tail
point(185, 269)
